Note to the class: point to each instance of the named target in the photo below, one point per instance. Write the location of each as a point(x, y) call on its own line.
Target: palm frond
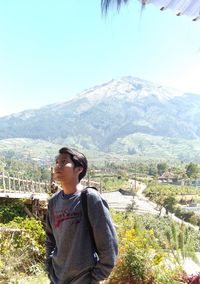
point(105, 4)
point(190, 8)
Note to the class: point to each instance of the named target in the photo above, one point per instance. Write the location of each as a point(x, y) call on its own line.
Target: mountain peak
point(129, 88)
point(109, 114)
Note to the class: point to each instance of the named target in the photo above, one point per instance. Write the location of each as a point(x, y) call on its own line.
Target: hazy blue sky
point(51, 50)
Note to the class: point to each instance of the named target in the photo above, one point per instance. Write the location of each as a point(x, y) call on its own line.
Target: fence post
point(28, 186)
point(4, 184)
point(32, 186)
point(9, 184)
point(100, 185)
point(46, 186)
point(38, 187)
point(23, 184)
point(19, 184)
point(88, 176)
point(14, 183)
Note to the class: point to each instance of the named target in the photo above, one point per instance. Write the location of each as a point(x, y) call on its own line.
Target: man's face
point(64, 170)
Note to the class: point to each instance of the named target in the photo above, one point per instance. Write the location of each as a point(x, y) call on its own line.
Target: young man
point(71, 254)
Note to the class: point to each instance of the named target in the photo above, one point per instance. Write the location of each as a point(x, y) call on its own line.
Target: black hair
point(77, 158)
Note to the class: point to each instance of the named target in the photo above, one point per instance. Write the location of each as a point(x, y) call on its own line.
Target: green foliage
point(193, 170)
point(187, 216)
point(24, 169)
point(148, 249)
point(147, 244)
point(194, 220)
point(43, 151)
point(22, 250)
point(169, 196)
point(155, 189)
point(169, 204)
point(28, 149)
point(40, 278)
point(9, 209)
point(159, 225)
point(32, 237)
point(114, 182)
point(180, 242)
point(162, 167)
point(153, 170)
point(22, 244)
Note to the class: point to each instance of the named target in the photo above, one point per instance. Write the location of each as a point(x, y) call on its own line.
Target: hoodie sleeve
point(104, 235)
point(50, 241)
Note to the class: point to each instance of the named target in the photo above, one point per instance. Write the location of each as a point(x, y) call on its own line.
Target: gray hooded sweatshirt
point(71, 257)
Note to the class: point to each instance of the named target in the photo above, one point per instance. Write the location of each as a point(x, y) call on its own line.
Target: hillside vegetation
point(152, 249)
point(136, 147)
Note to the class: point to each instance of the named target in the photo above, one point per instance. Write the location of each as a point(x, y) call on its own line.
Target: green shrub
point(9, 209)
point(143, 261)
point(23, 250)
point(151, 249)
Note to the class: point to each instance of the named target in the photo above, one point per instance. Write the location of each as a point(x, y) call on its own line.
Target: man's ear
point(79, 169)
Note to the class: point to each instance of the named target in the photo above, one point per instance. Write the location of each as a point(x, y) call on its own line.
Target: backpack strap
point(84, 194)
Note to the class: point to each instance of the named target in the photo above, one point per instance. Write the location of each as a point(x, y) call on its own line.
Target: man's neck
point(70, 189)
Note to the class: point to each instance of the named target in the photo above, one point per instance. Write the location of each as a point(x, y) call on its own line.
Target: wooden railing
point(10, 184)
point(13, 184)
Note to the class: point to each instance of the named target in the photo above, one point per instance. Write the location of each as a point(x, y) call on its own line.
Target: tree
point(169, 204)
point(193, 170)
point(162, 167)
point(152, 170)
